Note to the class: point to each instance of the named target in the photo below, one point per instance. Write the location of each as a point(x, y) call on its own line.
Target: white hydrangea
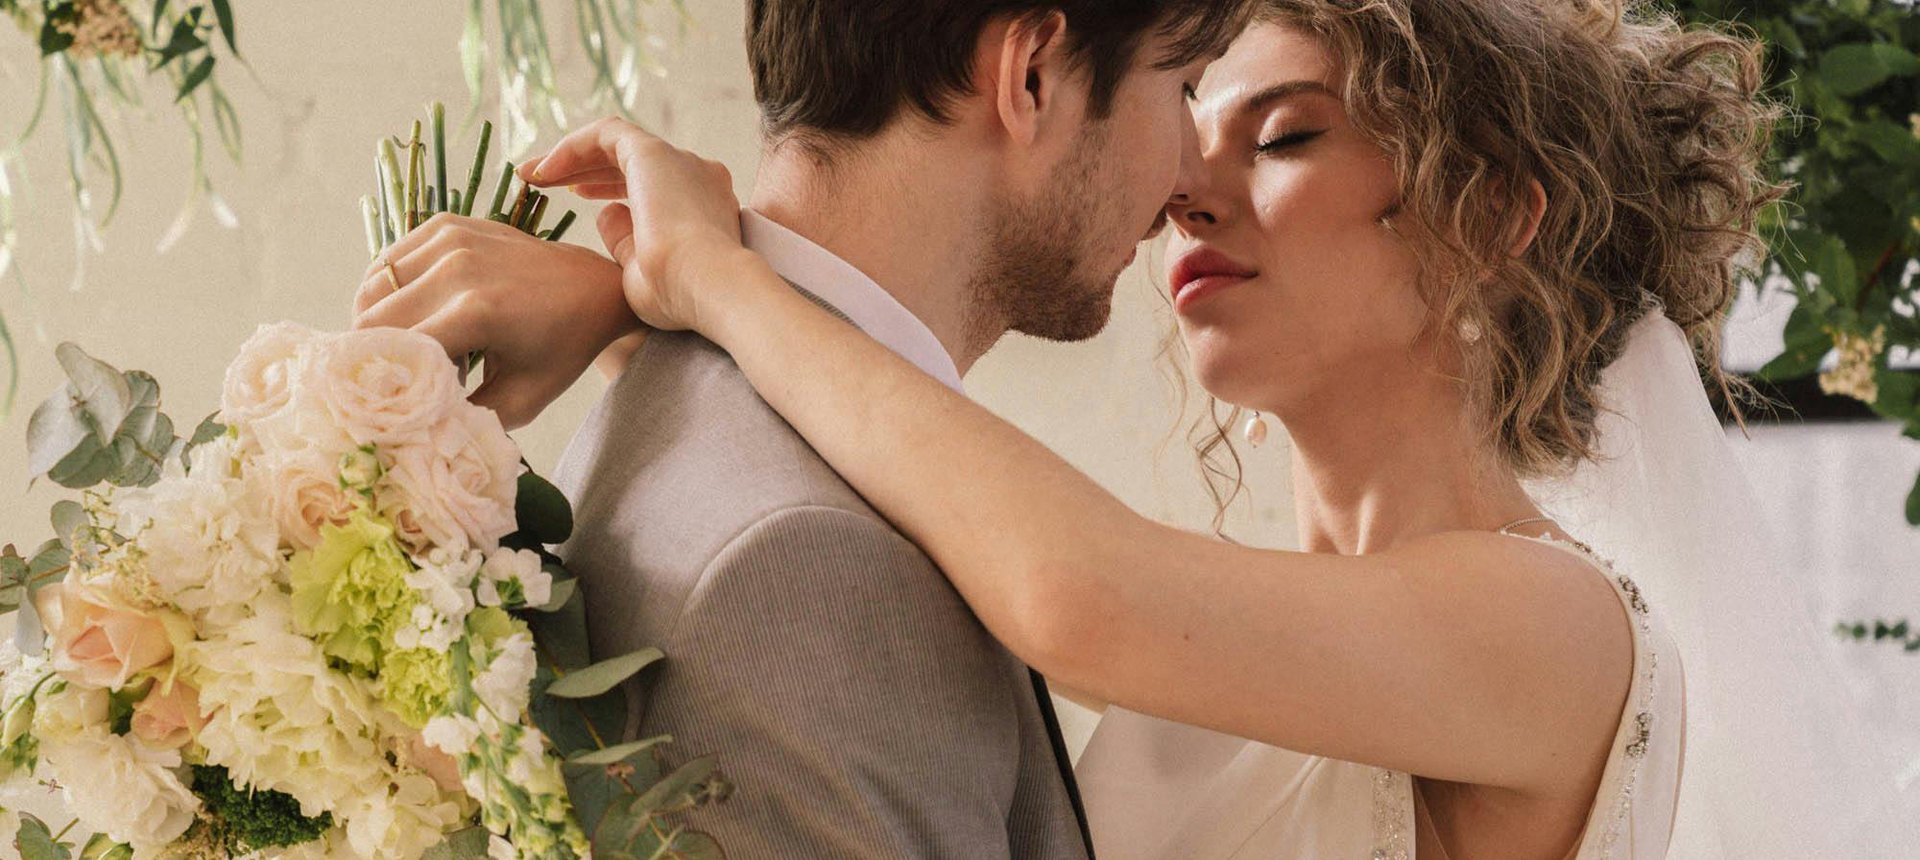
point(130, 792)
point(208, 537)
point(519, 566)
point(408, 816)
point(281, 719)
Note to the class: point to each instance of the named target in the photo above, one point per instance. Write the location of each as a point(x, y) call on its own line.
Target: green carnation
point(415, 683)
point(351, 591)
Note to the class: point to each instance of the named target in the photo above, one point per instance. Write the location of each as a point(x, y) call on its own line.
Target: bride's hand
point(542, 311)
point(678, 219)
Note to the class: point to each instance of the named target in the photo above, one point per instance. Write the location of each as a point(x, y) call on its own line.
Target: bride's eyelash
point(1187, 92)
point(1287, 140)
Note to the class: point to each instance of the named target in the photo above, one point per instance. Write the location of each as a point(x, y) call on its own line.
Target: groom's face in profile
point(1056, 250)
point(1053, 243)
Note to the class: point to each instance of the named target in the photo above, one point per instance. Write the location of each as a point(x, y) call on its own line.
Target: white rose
point(209, 537)
point(260, 382)
point(519, 566)
point(306, 494)
point(61, 716)
point(118, 786)
point(454, 489)
point(384, 386)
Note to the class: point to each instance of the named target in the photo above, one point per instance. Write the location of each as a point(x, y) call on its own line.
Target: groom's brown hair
point(843, 69)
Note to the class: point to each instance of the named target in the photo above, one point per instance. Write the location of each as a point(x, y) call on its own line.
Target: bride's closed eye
point(1288, 141)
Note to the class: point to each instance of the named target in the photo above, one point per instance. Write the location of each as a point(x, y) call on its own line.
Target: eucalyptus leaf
point(563, 591)
point(100, 392)
point(35, 841)
point(601, 677)
point(70, 522)
point(53, 432)
point(465, 844)
point(209, 429)
point(1913, 504)
point(615, 754)
point(541, 510)
point(86, 466)
point(102, 847)
point(684, 788)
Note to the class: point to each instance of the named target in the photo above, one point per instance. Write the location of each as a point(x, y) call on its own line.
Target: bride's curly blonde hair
point(1649, 138)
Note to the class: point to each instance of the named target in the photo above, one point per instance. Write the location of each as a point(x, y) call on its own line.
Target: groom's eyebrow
point(1264, 98)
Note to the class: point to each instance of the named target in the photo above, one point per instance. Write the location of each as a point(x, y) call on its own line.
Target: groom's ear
point(1026, 66)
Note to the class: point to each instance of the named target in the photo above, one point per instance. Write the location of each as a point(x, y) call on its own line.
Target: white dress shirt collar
point(865, 303)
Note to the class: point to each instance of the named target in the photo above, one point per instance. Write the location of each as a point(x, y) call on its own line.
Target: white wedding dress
point(1156, 790)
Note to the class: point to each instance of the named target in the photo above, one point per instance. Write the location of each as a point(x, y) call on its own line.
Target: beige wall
point(335, 76)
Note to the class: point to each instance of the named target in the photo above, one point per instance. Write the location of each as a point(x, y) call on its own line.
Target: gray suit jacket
point(859, 707)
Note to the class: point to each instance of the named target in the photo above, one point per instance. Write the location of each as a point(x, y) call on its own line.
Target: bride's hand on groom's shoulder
point(676, 222)
point(541, 311)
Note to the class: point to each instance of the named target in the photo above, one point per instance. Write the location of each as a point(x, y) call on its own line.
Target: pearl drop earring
point(1254, 430)
point(1470, 331)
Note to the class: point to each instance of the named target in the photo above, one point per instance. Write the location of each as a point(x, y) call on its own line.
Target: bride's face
point(1290, 291)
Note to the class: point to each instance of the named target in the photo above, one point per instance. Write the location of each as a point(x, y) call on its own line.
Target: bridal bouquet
point(325, 625)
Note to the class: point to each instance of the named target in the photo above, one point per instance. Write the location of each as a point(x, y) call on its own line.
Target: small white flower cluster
point(286, 608)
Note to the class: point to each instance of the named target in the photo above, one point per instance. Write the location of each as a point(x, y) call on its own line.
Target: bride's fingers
point(508, 395)
point(600, 145)
point(607, 191)
point(616, 231)
point(419, 300)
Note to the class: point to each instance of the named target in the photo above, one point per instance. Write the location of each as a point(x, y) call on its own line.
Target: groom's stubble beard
point(1034, 278)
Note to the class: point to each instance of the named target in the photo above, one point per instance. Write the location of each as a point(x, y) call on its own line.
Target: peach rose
point(261, 380)
point(434, 763)
point(98, 643)
point(456, 488)
point(169, 718)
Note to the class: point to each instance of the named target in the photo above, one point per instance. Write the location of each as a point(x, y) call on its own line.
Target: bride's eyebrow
point(1264, 98)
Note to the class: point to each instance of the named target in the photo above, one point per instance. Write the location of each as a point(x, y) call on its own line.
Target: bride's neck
point(904, 224)
point(1369, 476)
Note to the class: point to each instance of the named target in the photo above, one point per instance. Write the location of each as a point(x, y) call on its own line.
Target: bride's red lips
point(1203, 271)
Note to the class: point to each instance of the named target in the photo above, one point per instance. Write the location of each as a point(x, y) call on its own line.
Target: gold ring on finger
point(393, 277)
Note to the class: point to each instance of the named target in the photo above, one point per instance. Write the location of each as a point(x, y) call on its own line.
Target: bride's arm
point(1466, 657)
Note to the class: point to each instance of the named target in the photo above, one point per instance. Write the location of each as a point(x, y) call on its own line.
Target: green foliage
point(1851, 229)
point(35, 841)
point(246, 820)
point(103, 425)
point(1899, 633)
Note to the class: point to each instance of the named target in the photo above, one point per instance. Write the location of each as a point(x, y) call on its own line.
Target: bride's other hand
point(676, 231)
point(542, 311)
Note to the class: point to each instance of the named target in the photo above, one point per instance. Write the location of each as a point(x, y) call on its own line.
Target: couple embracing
point(1431, 238)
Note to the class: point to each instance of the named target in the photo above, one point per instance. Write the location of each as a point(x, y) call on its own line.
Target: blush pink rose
point(96, 642)
point(261, 380)
point(384, 386)
point(169, 718)
point(307, 494)
point(456, 488)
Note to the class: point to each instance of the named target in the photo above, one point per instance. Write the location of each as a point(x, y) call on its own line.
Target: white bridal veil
point(1777, 763)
